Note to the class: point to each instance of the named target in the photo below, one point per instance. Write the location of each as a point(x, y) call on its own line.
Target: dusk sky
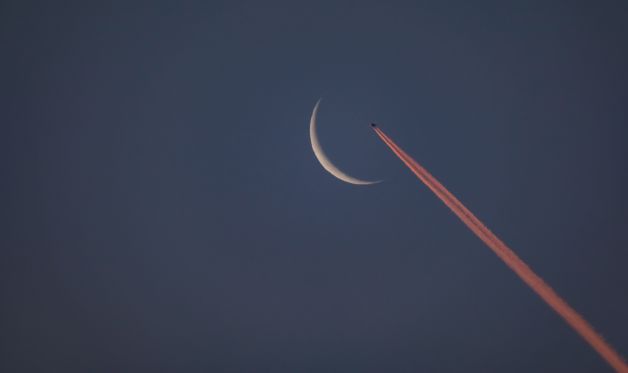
point(163, 211)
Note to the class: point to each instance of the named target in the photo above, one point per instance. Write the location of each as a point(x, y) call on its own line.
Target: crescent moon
point(324, 160)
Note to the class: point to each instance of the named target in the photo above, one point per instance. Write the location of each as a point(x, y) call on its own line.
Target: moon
point(325, 161)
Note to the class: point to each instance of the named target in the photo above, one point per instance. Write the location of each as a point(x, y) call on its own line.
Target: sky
point(163, 210)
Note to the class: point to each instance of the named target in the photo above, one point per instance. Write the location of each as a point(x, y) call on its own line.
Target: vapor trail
point(577, 322)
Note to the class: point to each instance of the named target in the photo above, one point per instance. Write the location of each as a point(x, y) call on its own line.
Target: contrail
point(577, 322)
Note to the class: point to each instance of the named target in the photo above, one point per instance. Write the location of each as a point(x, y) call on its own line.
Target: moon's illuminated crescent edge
point(322, 157)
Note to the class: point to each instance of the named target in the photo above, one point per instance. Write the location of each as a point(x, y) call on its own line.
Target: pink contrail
point(577, 322)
